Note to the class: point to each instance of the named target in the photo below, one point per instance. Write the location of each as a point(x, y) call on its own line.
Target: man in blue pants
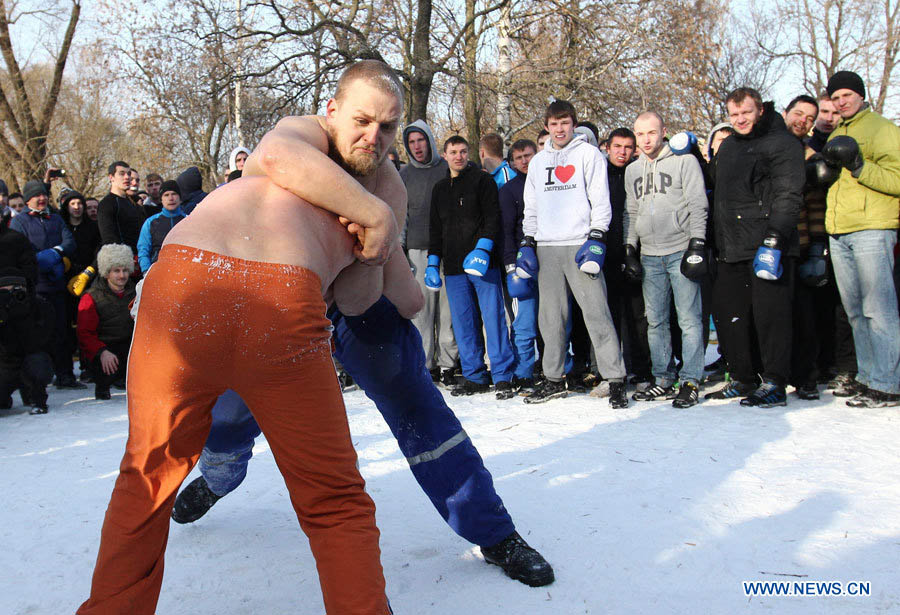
point(383, 353)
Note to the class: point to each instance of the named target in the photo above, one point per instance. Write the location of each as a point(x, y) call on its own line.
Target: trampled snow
point(643, 510)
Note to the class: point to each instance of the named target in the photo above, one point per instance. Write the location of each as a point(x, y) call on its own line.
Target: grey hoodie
point(420, 179)
point(665, 203)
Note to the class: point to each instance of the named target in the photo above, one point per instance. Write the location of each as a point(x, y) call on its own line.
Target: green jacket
point(872, 200)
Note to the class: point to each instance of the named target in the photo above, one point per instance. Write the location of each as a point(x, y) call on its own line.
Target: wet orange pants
point(208, 323)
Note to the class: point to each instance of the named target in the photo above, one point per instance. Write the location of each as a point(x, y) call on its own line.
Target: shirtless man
point(236, 301)
point(380, 349)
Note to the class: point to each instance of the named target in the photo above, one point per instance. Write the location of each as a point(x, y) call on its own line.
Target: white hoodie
point(566, 194)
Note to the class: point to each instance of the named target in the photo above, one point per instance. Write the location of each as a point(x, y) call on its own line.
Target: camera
point(56, 173)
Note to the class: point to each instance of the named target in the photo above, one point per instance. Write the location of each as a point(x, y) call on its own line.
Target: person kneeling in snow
point(105, 325)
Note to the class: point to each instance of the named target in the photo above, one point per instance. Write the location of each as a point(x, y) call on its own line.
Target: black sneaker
point(846, 385)
point(808, 391)
point(732, 390)
point(38, 409)
point(448, 379)
point(874, 399)
point(524, 386)
point(69, 382)
point(653, 393)
point(767, 395)
point(617, 396)
point(470, 388)
point(546, 391)
point(574, 384)
point(840, 379)
point(346, 381)
point(688, 395)
point(194, 501)
point(101, 393)
point(519, 561)
point(504, 390)
point(435, 374)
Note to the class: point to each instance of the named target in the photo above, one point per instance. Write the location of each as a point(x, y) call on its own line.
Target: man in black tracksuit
point(118, 217)
point(760, 174)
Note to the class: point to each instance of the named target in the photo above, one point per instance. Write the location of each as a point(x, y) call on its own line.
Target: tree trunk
point(470, 50)
point(422, 75)
point(504, 70)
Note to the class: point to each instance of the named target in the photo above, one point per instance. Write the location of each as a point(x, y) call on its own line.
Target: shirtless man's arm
point(359, 286)
point(294, 155)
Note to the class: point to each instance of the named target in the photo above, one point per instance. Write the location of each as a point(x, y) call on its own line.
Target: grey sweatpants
point(559, 279)
point(433, 322)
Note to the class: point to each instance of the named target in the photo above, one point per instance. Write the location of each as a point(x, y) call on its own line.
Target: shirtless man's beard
point(358, 166)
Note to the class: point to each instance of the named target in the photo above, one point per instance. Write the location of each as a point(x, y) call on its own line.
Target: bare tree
point(820, 37)
point(27, 106)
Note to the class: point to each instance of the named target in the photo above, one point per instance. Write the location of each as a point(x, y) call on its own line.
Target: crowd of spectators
point(572, 263)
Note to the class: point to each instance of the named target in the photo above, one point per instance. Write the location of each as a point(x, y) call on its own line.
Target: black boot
point(617, 396)
point(101, 392)
point(519, 561)
point(194, 501)
point(470, 388)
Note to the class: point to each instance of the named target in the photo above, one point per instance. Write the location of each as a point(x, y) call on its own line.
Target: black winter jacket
point(16, 251)
point(759, 187)
point(119, 220)
point(464, 209)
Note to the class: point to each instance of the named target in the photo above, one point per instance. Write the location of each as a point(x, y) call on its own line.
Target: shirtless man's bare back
point(236, 301)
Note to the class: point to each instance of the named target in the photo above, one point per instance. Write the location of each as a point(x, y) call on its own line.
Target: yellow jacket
point(872, 200)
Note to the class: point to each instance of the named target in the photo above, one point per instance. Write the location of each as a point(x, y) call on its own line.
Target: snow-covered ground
point(643, 510)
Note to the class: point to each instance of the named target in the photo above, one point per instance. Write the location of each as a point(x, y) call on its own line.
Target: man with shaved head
point(665, 215)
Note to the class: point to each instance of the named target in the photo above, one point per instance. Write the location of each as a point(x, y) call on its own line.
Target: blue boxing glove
point(47, 260)
point(526, 260)
point(592, 253)
point(518, 288)
point(683, 143)
point(478, 260)
point(433, 273)
point(767, 264)
point(814, 270)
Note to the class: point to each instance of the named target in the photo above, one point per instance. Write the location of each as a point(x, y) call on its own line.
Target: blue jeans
point(662, 280)
point(468, 295)
point(524, 334)
point(863, 269)
point(383, 354)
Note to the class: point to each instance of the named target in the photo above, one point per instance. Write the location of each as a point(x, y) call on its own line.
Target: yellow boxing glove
point(79, 283)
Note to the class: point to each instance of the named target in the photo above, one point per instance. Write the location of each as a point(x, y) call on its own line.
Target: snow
point(643, 510)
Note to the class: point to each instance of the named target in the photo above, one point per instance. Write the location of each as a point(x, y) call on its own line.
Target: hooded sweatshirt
point(665, 203)
point(233, 155)
point(190, 183)
point(420, 179)
point(566, 194)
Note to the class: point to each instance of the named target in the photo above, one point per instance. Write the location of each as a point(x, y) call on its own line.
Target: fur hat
point(114, 255)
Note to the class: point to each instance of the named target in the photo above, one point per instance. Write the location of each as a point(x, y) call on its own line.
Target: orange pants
point(208, 323)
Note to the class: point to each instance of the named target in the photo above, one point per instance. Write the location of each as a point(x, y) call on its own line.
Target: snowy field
point(643, 510)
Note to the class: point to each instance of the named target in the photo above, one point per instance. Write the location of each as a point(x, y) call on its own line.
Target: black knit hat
point(845, 79)
point(170, 185)
point(68, 196)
